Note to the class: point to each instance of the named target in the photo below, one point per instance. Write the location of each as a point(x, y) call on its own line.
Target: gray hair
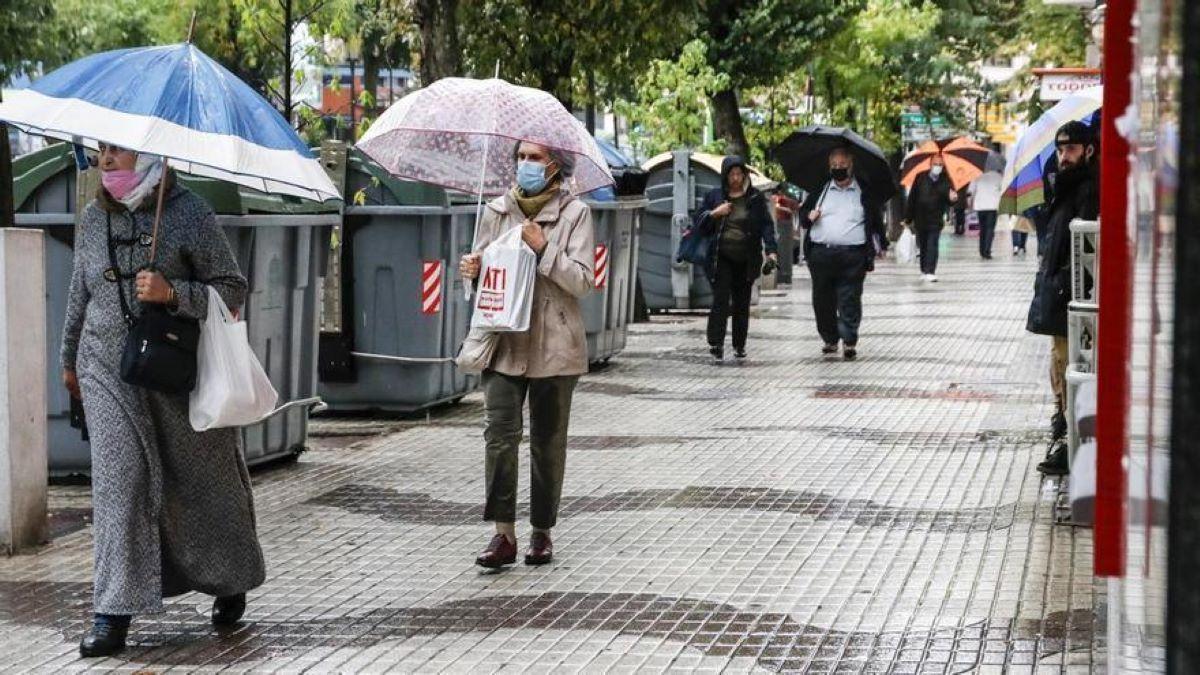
point(564, 159)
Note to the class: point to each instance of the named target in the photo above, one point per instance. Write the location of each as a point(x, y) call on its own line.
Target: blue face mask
point(531, 176)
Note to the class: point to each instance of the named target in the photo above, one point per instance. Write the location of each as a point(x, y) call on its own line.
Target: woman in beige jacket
point(542, 364)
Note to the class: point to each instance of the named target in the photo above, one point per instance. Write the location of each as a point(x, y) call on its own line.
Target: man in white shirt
point(845, 232)
point(985, 200)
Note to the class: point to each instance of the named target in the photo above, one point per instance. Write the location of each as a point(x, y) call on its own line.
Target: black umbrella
point(805, 159)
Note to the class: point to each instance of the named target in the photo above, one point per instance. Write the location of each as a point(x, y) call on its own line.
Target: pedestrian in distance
point(785, 212)
point(1076, 195)
point(985, 201)
point(846, 232)
point(540, 366)
point(925, 213)
point(737, 220)
point(1021, 228)
point(172, 507)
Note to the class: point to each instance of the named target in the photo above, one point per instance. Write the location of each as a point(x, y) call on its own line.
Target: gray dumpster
point(281, 246)
point(608, 311)
point(394, 313)
point(677, 185)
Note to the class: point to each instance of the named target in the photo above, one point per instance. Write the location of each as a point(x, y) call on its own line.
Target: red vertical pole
point(1115, 294)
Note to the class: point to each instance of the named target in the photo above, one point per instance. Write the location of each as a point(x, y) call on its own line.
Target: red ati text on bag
point(491, 292)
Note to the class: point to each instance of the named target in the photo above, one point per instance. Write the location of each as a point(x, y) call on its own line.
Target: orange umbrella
point(964, 159)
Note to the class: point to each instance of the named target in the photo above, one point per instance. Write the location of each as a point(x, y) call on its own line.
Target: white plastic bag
point(505, 296)
point(906, 247)
point(232, 390)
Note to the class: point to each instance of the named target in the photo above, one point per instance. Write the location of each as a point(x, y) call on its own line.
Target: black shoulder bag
point(160, 349)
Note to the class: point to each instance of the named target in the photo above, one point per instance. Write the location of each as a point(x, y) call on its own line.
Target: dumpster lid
point(403, 192)
point(35, 168)
point(712, 163)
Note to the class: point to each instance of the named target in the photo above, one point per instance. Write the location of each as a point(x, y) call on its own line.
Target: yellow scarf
point(531, 206)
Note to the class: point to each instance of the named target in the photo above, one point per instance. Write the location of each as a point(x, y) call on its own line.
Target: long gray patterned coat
point(173, 510)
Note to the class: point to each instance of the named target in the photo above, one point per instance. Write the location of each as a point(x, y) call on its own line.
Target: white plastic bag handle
point(217, 308)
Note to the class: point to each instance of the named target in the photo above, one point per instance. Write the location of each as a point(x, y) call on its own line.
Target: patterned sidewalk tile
point(791, 513)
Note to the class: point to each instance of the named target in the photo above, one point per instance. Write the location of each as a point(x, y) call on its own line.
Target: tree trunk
point(437, 22)
point(554, 75)
point(371, 64)
point(373, 59)
point(288, 28)
point(591, 102)
point(727, 123)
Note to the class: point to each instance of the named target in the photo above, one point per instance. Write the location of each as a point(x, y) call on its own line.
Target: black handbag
point(160, 349)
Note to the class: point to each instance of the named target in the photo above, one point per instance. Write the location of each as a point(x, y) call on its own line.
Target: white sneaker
point(933, 277)
point(925, 277)
point(1016, 251)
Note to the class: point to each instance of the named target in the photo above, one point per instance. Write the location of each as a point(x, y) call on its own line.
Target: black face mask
point(840, 173)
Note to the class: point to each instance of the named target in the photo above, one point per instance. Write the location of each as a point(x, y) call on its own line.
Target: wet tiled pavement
point(789, 513)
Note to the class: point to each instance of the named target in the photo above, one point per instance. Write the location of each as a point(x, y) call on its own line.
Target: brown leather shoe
point(540, 551)
point(499, 552)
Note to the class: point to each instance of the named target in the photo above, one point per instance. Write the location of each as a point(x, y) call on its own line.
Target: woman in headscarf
point(543, 364)
point(172, 508)
point(737, 216)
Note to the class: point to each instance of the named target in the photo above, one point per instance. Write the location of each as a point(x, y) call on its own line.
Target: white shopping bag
point(505, 296)
point(232, 390)
point(906, 247)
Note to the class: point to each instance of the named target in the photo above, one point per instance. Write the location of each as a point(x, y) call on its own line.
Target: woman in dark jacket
point(737, 218)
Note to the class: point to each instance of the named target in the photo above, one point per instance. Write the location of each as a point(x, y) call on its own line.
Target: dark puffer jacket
point(1076, 195)
point(761, 233)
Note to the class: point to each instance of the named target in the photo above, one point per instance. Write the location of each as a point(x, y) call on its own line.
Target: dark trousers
point(731, 297)
point(927, 242)
point(1019, 239)
point(987, 232)
point(837, 287)
point(549, 415)
point(1042, 231)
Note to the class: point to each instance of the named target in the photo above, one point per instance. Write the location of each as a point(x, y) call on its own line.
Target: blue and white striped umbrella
point(175, 102)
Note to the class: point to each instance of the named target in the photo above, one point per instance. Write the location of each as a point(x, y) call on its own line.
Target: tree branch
point(272, 91)
point(287, 58)
point(312, 12)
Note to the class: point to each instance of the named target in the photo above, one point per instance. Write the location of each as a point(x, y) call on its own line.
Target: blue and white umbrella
point(175, 102)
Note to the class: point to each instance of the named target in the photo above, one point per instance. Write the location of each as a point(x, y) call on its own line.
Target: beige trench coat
point(555, 344)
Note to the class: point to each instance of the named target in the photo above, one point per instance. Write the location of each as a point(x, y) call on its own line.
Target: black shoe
point(104, 639)
point(829, 349)
point(228, 610)
point(1058, 429)
point(850, 353)
point(739, 353)
point(1057, 464)
point(718, 353)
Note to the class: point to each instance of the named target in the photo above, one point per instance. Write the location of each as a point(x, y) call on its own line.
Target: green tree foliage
point(561, 47)
point(886, 57)
point(24, 40)
point(672, 105)
point(758, 42)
